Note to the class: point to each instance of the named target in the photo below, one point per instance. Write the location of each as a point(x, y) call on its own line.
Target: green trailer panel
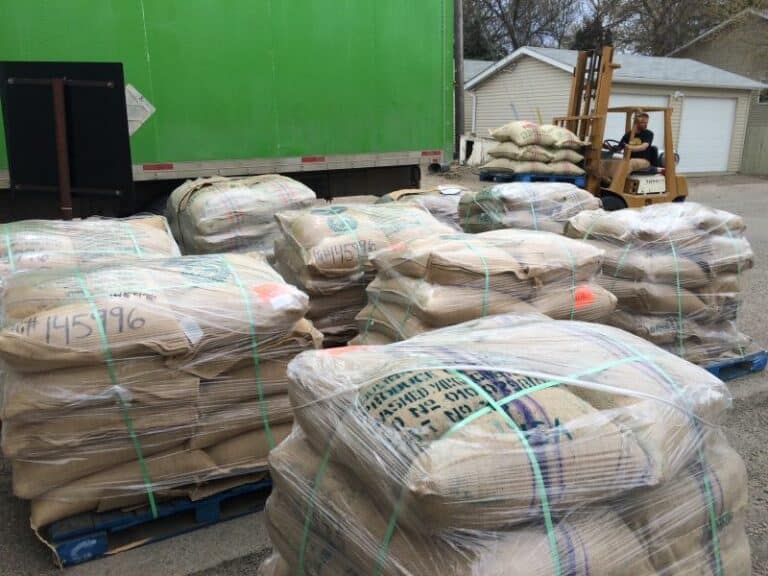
point(240, 79)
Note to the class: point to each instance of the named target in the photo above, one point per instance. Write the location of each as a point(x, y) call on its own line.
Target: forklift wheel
point(613, 202)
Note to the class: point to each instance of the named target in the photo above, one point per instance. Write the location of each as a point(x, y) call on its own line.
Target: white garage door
point(615, 127)
point(706, 130)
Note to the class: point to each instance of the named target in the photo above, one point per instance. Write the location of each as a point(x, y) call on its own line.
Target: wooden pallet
point(89, 536)
point(742, 366)
point(502, 177)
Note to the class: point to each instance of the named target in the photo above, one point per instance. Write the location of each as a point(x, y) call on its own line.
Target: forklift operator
point(641, 145)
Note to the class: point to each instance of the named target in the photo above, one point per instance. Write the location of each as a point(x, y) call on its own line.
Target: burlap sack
point(506, 260)
point(55, 244)
point(246, 452)
point(512, 151)
point(684, 224)
point(656, 265)
point(444, 305)
point(34, 477)
point(220, 214)
point(342, 506)
point(141, 381)
point(104, 427)
point(521, 133)
point(442, 202)
point(336, 241)
point(395, 322)
point(565, 155)
point(515, 167)
point(289, 263)
point(371, 338)
point(670, 330)
point(661, 299)
point(566, 168)
point(536, 206)
point(635, 427)
point(121, 486)
point(559, 137)
point(675, 522)
point(243, 384)
point(274, 566)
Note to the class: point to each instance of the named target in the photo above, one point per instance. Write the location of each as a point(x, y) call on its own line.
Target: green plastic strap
point(533, 214)
point(107, 351)
point(680, 327)
point(573, 279)
point(620, 265)
point(8, 246)
point(486, 276)
point(739, 270)
point(136, 246)
point(311, 509)
point(254, 351)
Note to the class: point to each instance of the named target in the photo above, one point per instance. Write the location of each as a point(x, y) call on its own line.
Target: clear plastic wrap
point(218, 214)
point(326, 252)
point(440, 281)
point(51, 244)
point(131, 382)
point(442, 202)
point(678, 271)
point(504, 445)
point(545, 206)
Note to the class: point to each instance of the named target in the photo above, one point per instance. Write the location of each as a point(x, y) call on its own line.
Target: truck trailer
point(349, 96)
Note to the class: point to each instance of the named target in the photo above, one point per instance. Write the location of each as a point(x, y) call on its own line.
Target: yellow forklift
point(587, 114)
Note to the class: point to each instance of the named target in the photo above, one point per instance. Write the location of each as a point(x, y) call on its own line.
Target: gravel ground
point(746, 425)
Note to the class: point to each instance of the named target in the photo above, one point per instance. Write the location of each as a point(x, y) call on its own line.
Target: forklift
point(587, 113)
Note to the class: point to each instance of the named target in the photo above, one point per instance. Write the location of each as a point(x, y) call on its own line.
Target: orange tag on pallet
point(583, 296)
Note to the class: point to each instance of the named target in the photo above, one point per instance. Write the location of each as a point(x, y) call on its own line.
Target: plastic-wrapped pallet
point(442, 202)
point(217, 214)
point(528, 148)
point(128, 383)
point(442, 281)
point(530, 205)
point(325, 251)
point(678, 273)
point(51, 244)
point(557, 447)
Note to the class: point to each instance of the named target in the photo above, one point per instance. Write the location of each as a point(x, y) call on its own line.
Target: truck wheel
point(612, 202)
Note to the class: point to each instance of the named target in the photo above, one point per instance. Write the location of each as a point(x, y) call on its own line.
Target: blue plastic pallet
point(501, 177)
point(89, 536)
point(737, 367)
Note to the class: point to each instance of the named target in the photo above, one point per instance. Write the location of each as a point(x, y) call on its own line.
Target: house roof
point(748, 12)
point(474, 67)
point(635, 69)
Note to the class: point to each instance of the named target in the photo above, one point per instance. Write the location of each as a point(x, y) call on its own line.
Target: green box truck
point(236, 87)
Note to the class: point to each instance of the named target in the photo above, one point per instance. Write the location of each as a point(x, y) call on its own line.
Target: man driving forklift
point(639, 141)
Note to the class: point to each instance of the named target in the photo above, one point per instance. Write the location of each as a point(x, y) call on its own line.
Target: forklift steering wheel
point(611, 145)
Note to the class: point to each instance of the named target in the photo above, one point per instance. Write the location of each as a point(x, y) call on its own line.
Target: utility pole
point(458, 64)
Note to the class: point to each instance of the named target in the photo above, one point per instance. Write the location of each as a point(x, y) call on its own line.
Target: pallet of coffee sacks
point(131, 382)
point(510, 444)
point(326, 252)
point(678, 271)
point(543, 206)
point(429, 283)
point(529, 148)
point(218, 214)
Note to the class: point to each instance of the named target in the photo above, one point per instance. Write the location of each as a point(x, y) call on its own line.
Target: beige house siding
point(742, 48)
point(517, 92)
point(742, 97)
point(467, 112)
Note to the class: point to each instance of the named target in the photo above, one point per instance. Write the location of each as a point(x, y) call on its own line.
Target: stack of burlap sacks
point(132, 382)
point(51, 244)
point(543, 206)
point(502, 446)
point(218, 214)
point(529, 148)
point(442, 202)
point(325, 251)
point(435, 282)
point(678, 273)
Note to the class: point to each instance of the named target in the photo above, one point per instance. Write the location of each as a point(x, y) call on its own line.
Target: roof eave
point(507, 60)
point(652, 82)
